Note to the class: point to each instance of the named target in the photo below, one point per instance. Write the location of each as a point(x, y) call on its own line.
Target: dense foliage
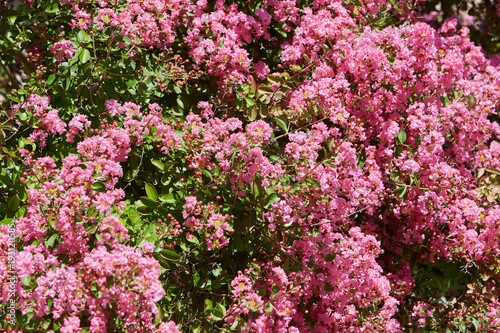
point(249, 166)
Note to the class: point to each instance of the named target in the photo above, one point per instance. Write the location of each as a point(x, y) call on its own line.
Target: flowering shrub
point(261, 166)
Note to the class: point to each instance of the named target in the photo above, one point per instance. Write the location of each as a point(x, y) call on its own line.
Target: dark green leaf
point(330, 257)
point(124, 40)
point(13, 203)
point(99, 187)
point(170, 255)
point(399, 190)
point(314, 182)
point(281, 124)
point(149, 202)
point(144, 209)
point(161, 260)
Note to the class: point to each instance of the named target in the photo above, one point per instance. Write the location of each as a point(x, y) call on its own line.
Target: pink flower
point(259, 130)
point(71, 325)
point(63, 50)
point(261, 70)
point(148, 247)
point(241, 284)
point(169, 327)
point(411, 166)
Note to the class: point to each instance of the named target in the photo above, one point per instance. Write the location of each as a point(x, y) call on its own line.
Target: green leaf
point(50, 242)
point(252, 114)
point(269, 307)
point(23, 116)
point(281, 124)
point(222, 308)
point(168, 198)
point(151, 192)
point(193, 240)
point(177, 90)
point(26, 280)
point(399, 190)
point(84, 56)
point(180, 102)
point(265, 99)
point(149, 202)
point(66, 84)
point(98, 187)
point(207, 174)
point(13, 98)
point(124, 40)
point(265, 90)
point(476, 323)
point(250, 101)
point(6, 221)
point(208, 305)
point(161, 260)
point(158, 164)
point(141, 209)
point(236, 324)
point(401, 136)
point(217, 314)
point(13, 203)
point(217, 271)
point(53, 8)
point(274, 79)
point(50, 79)
point(330, 257)
point(170, 255)
point(270, 199)
point(83, 37)
point(314, 182)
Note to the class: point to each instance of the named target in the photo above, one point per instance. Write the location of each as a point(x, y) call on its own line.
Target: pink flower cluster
point(63, 50)
point(213, 225)
point(45, 120)
point(122, 279)
point(85, 266)
point(378, 170)
point(338, 283)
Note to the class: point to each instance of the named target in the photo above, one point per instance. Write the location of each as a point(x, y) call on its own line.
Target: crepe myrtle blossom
point(63, 50)
point(388, 164)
